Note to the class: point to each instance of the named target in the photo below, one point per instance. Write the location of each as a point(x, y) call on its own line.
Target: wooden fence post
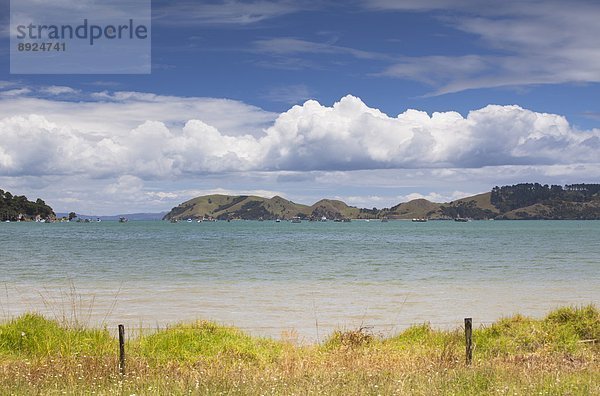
point(121, 349)
point(469, 340)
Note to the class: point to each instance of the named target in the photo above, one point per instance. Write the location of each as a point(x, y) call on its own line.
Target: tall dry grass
point(556, 355)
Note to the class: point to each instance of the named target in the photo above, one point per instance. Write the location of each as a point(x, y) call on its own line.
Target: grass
point(555, 355)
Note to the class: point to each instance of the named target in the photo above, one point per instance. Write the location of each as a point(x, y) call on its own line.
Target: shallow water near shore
point(273, 278)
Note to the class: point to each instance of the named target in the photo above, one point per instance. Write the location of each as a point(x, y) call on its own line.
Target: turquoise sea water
point(269, 277)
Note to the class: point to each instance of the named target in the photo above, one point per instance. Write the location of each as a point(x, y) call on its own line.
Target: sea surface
point(298, 281)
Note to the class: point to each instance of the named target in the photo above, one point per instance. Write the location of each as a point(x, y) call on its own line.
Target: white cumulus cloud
point(63, 138)
point(351, 135)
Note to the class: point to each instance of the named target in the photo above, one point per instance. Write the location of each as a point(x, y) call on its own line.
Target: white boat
point(189, 220)
point(277, 220)
point(323, 218)
point(296, 219)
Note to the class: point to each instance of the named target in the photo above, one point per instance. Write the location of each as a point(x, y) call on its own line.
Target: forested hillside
point(536, 201)
point(14, 206)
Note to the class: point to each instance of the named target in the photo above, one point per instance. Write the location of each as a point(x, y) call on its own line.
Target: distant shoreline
point(528, 201)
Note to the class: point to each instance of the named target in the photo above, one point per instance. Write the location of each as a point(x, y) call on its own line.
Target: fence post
point(469, 340)
point(121, 349)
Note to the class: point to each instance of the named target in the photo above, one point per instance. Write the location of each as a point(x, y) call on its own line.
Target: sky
point(374, 102)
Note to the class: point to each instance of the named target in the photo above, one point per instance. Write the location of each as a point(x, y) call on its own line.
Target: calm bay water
point(268, 277)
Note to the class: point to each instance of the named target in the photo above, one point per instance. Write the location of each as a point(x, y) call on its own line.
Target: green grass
point(33, 336)
point(190, 342)
point(555, 355)
point(563, 330)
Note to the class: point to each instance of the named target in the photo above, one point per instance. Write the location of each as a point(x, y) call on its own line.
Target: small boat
point(462, 219)
point(277, 220)
point(123, 220)
point(189, 220)
point(419, 220)
point(323, 218)
point(296, 219)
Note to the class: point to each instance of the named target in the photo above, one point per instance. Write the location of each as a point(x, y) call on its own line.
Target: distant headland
point(526, 201)
point(19, 208)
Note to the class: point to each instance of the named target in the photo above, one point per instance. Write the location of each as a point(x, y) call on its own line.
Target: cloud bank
point(51, 139)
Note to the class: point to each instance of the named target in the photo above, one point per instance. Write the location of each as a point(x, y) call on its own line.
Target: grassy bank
point(555, 355)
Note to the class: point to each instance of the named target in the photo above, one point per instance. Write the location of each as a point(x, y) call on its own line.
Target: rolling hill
point(250, 207)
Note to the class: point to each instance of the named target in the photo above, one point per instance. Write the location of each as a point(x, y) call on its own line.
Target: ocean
point(297, 280)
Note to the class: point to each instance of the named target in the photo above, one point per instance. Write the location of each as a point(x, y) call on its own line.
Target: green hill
point(417, 208)
point(334, 209)
point(246, 207)
point(476, 207)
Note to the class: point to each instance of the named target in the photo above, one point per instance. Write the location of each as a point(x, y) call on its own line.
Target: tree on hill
point(561, 200)
point(13, 207)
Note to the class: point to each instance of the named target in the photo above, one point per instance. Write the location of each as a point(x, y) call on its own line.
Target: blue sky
point(406, 99)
